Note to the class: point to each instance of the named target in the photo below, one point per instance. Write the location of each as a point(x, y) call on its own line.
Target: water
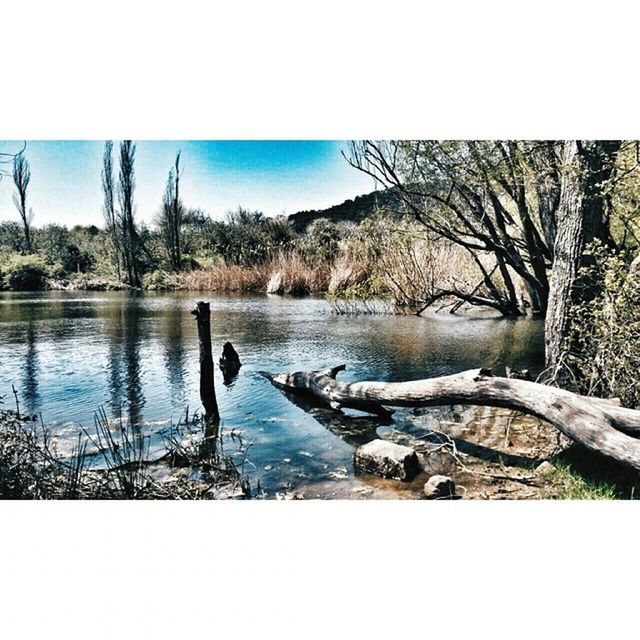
point(136, 355)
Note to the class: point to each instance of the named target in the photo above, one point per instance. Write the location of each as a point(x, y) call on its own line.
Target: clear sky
point(271, 176)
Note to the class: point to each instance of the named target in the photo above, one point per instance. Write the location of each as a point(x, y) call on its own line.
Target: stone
point(545, 468)
point(387, 459)
point(439, 488)
point(276, 283)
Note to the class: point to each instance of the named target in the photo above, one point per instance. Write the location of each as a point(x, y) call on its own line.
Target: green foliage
point(247, 238)
point(25, 273)
point(603, 341)
point(567, 484)
point(51, 241)
point(371, 287)
point(11, 238)
point(159, 280)
point(322, 240)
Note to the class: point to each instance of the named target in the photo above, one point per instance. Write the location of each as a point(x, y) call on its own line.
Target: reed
point(32, 468)
point(289, 272)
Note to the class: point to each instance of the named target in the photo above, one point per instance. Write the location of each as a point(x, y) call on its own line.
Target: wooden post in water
point(202, 312)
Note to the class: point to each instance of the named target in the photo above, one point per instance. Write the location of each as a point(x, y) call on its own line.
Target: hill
point(355, 210)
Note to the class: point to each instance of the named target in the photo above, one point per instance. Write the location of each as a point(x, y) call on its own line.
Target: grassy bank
point(384, 261)
point(192, 467)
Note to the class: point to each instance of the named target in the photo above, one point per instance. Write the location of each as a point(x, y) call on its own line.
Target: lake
point(136, 355)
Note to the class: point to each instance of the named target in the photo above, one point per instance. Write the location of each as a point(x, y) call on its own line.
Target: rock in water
point(387, 459)
point(439, 487)
point(229, 364)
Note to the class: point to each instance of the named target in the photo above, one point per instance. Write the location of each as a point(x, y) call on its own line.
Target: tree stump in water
point(202, 312)
point(229, 363)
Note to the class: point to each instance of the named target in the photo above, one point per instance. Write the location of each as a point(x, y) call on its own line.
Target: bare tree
point(126, 188)
point(6, 161)
point(21, 179)
point(494, 198)
point(110, 216)
point(530, 206)
point(170, 217)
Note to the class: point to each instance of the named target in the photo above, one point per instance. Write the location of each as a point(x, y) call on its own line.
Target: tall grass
point(31, 468)
point(224, 277)
point(289, 272)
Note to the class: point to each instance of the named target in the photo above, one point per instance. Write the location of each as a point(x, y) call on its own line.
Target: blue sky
point(273, 176)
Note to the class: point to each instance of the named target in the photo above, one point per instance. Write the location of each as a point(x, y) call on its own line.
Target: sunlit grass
point(565, 483)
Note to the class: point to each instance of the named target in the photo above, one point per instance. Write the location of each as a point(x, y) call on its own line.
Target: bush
point(25, 273)
point(603, 341)
point(76, 261)
point(159, 280)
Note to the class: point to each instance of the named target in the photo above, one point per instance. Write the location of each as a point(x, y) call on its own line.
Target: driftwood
point(600, 425)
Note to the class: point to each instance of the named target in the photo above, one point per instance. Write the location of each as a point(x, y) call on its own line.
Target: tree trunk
point(597, 424)
point(581, 218)
point(202, 312)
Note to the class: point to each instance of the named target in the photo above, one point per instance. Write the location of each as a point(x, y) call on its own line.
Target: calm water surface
point(136, 355)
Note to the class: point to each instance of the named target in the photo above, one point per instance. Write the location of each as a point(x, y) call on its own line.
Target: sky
point(272, 176)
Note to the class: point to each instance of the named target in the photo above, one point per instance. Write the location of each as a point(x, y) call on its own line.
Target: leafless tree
point(126, 188)
point(488, 197)
point(110, 215)
point(21, 179)
point(531, 206)
point(170, 217)
point(6, 161)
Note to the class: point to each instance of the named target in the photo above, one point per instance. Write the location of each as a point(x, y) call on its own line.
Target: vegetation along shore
point(537, 232)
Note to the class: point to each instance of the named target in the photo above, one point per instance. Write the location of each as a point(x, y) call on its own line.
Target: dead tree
point(600, 425)
point(202, 312)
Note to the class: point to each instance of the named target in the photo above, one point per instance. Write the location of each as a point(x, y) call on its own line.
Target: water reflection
point(174, 351)
point(355, 430)
point(125, 331)
point(31, 369)
point(73, 352)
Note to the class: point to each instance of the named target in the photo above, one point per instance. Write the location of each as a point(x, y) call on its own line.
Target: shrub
point(76, 261)
point(25, 273)
point(603, 341)
point(159, 280)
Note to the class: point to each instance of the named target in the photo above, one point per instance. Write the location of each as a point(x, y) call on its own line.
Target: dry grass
point(224, 278)
point(347, 271)
point(194, 465)
point(292, 274)
point(288, 273)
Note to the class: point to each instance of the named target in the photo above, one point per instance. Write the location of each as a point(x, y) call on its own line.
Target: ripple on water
point(70, 353)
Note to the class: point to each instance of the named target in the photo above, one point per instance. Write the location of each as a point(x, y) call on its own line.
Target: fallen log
point(595, 423)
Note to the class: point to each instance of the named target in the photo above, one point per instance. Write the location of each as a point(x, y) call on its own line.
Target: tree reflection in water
point(31, 369)
point(126, 332)
point(174, 350)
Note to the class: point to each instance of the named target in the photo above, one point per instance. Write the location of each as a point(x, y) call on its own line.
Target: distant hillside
point(355, 210)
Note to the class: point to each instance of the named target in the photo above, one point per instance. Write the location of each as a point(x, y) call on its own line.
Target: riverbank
point(113, 464)
point(499, 455)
